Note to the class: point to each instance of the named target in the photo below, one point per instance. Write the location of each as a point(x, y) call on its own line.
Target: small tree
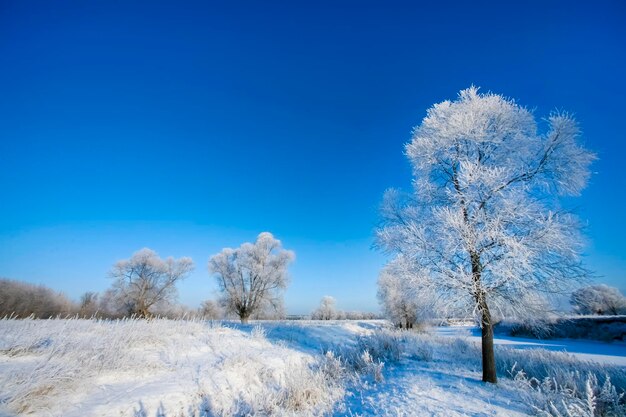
point(88, 304)
point(399, 296)
point(598, 299)
point(484, 225)
point(209, 310)
point(145, 280)
point(252, 277)
point(327, 309)
point(110, 304)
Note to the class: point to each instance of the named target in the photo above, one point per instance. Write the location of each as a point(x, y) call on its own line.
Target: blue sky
point(190, 126)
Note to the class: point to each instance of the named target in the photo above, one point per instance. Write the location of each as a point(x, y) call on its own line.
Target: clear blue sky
point(186, 127)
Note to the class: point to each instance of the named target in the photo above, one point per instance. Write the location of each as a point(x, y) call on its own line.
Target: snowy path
point(613, 353)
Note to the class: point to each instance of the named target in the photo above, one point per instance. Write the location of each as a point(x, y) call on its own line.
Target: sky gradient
point(187, 127)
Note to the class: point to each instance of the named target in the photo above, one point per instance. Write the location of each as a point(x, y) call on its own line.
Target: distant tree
point(361, 315)
point(484, 226)
point(327, 309)
point(598, 299)
point(396, 298)
point(145, 280)
point(20, 299)
point(253, 276)
point(173, 310)
point(111, 305)
point(209, 310)
point(88, 304)
point(274, 310)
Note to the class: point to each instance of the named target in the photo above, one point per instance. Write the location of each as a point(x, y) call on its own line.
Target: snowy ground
point(613, 353)
point(167, 368)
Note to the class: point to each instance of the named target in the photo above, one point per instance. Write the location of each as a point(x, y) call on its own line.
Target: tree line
point(251, 280)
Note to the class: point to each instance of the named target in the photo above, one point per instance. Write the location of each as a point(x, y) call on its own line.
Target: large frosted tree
point(252, 277)
point(483, 227)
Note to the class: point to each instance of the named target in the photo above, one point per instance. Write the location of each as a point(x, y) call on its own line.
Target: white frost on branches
point(144, 281)
point(327, 309)
point(484, 226)
point(483, 229)
point(598, 299)
point(252, 276)
point(403, 300)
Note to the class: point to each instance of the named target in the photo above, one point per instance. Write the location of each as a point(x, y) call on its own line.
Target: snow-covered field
point(183, 368)
point(613, 353)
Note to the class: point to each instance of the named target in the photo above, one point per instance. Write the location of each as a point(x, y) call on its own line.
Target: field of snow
point(166, 368)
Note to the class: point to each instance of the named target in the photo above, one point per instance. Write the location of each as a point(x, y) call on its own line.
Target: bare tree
point(252, 276)
point(145, 280)
point(598, 299)
point(327, 309)
point(88, 304)
point(362, 315)
point(110, 304)
point(209, 310)
point(21, 299)
point(274, 310)
point(483, 226)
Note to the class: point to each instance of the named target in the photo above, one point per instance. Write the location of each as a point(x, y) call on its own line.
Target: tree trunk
point(244, 318)
point(486, 325)
point(141, 311)
point(489, 357)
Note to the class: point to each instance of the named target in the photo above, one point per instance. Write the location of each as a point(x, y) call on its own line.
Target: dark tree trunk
point(144, 314)
point(489, 357)
point(486, 325)
point(244, 316)
point(141, 311)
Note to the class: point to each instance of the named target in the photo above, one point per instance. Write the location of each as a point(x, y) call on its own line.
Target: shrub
point(567, 399)
point(20, 300)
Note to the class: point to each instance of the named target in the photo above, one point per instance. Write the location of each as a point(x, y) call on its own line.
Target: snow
point(313, 336)
point(425, 389)
point(165, 368)
point(610, 353)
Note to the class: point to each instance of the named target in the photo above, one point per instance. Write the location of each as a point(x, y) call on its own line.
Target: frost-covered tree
point(362, 315)
point(20, 299)
point(88, 304)
point(403, 302)
point(110, 305)
point(483, 226)
point(209, 310)
point(145, 281)
point(274, 310)
point(253, 276)
point(327, 309)
point(598, 299)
